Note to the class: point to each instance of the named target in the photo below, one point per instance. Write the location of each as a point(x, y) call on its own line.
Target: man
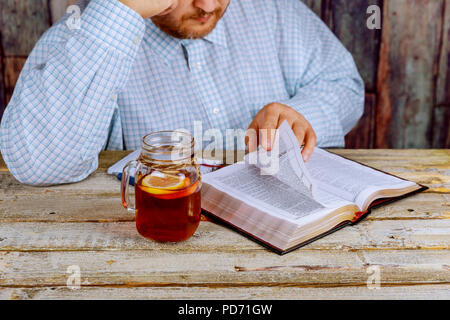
point(137, 66)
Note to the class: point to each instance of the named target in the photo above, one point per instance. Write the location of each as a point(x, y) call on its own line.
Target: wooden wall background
point(405, 66)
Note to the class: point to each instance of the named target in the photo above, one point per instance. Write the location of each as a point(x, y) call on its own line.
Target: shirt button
point(216, 111)
point(136, 40)
point(114, 97)
point(198, 66)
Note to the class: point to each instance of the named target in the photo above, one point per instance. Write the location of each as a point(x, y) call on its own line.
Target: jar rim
point(169, 142)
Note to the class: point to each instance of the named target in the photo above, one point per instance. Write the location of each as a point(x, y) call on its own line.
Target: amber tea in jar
point(167, 187)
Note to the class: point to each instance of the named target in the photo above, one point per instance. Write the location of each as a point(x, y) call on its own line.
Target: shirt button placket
point(205, 84)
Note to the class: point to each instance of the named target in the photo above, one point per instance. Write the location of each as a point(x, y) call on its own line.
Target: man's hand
point(151, 8)
point(270, 118)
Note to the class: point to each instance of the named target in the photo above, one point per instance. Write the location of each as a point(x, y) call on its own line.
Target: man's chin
point(189, 29)
point(195, 29)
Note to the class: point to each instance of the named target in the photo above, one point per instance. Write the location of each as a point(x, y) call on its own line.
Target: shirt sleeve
point(59, 117)
point(321, 76)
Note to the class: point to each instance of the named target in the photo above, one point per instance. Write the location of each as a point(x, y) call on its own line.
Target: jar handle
point(126, 184)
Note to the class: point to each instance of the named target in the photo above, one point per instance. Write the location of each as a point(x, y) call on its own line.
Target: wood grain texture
point(315, 5)
point(441, 126)
point(410, 50)
point(369, 235)
point(443, 79)
point(22, 24)
point(428, 292)
point(347, 19)
point(428, 167)
point(363, 135)
point(102, 208)
point(2, 86)
point(13, 67)
point(218, 269)
point(441, 120)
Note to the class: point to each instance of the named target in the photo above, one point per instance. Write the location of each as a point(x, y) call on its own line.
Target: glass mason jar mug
point(167, 187)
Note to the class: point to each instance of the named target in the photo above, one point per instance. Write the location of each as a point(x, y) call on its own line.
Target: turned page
point(284, 162)
point(350, 180)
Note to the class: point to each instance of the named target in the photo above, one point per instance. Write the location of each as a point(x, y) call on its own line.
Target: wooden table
point(43, 231)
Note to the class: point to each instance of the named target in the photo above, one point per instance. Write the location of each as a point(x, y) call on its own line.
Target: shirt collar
point(218, 36)
point(163, 44)
point(167, 46)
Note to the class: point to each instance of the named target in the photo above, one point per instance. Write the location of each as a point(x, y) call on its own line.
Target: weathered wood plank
point(412, 158)
point(441, 127)
point(370, 234)
point(97, 183)
point(70, 208)
point(13, 67)
point(22, 24)
point(441, 122)
point(443, 79)
point(108, 208)
point(224, 269)
point(315, 5)
point(407, 158)
point(406, 79)
point(2, 87)
point(348, 19)
point(428, 167)
point(423, 292)
point(362, 136)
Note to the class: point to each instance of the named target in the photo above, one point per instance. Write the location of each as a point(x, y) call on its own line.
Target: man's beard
point(179, 29)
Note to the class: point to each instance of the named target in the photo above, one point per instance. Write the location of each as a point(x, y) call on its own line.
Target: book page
point(287, 164)
point(349, 180)
point(265, 192)
point(330, 200)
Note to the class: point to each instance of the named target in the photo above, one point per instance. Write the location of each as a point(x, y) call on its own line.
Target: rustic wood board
point(216, 268)
point(108, 208)
point(441, 126)
point(22, 23)
point(406, 77)
point(13, 67)
point(429, 292)
point(443, 85)
point(373, 235)
point(2, 87)
point(428, 167)
point(45, 230)
point(441, 120)
point(315, 5)
point(348, 20)
point(363, 135)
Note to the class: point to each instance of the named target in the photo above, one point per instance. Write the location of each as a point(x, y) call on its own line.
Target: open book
point(300, 202)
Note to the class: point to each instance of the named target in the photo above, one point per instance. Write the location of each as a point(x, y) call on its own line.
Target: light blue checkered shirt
point(119, 77)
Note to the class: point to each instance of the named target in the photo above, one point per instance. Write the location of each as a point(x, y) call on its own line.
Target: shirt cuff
point(114, 24)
